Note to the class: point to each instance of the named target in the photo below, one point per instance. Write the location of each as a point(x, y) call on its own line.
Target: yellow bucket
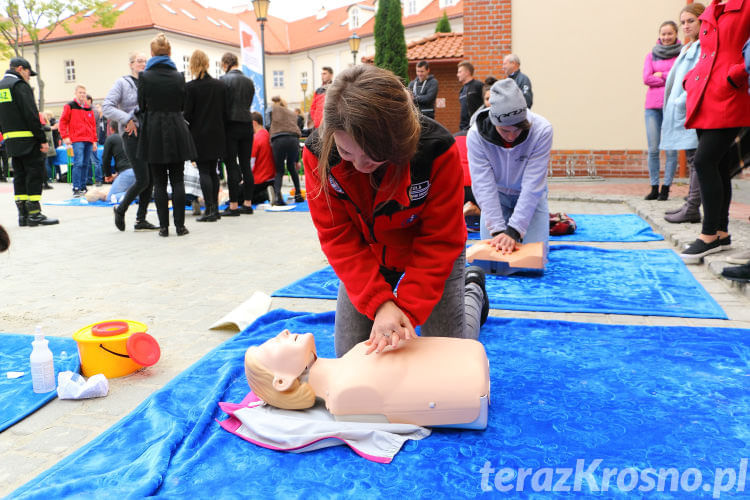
point(103, 348)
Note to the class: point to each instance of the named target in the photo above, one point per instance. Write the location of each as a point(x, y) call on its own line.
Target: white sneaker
point(740, 258)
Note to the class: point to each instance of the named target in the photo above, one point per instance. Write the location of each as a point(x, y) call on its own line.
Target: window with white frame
point(354, 18)
point(447, 3)
point(217, 69)
point(278, 79)
point(411, 7)
point(70, 70)
point(186, 66)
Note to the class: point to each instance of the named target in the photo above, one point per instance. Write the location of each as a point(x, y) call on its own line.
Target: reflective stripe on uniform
point(18, 133)
point(22, 197)
point(35, 197)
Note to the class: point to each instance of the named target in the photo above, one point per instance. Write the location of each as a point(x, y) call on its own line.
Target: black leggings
point(712, 164)
point(209, 181)
point(239, 146)
point(285, 150)
point(176, 174)
point(143, 187)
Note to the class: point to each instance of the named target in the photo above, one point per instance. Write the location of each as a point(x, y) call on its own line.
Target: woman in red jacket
point(385, 195)
point(718, 105)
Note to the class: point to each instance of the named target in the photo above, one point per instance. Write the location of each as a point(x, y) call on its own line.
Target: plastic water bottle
point(42, 364)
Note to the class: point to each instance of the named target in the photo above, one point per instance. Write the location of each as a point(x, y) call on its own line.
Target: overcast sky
point(285, 9)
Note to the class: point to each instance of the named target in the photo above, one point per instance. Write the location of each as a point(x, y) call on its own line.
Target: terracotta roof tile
point(434, 47)
point(281, 37)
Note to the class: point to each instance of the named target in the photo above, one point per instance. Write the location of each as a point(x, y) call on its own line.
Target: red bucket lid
point(143, 349)
point(109, 328)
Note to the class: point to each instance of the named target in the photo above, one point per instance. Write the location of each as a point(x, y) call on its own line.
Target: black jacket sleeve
point(107, 158)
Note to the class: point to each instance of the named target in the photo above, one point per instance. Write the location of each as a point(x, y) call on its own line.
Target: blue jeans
point(98, 175)
point(538, 229)
point(121, 184)
point(52, 168)
point(653, 134)
point(81, 164)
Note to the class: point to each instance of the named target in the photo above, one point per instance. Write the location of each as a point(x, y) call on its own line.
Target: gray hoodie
point(519, 170)
point(121, 102)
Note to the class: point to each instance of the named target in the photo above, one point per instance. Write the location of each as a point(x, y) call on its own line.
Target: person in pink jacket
point(655, 70)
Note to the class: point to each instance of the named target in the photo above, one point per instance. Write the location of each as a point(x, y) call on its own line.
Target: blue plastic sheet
point(630, 396)
point(17, 398)
point(623, 228)
point(578, 279)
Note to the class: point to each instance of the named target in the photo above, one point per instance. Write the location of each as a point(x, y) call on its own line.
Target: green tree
point(390, 43)
point(443, 26)
point(31, 22)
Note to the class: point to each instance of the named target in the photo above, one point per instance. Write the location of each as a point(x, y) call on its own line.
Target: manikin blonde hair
point(299, 396)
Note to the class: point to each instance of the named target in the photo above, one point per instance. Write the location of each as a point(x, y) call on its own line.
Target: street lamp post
point(354, 46)
point(260, 8)
point(303, 85)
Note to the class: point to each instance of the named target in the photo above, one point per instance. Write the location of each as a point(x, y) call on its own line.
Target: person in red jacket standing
point(78, 128)
point(319, 99)
point(384, 190)
point(718, 105)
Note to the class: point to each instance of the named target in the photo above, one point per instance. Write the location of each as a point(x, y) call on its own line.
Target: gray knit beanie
point(507, 104)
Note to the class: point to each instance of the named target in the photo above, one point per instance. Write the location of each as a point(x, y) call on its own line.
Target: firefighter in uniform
point(25, 141)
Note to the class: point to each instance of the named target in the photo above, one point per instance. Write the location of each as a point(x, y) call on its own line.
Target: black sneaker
point(699, 249)
point(245, 209)
point(475, 274)
point(164, 231)
point(739, 273)
point(231, 213)
point(144, 225)
point(119, 219)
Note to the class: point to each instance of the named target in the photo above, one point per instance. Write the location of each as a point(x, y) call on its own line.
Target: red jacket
point(419, 229)
point(717, 87)
point(464, 154)
point(317, 104)
point(77, 123)
point(263, 168)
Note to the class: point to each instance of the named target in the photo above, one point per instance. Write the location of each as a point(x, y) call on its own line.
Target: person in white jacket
point(509, 151)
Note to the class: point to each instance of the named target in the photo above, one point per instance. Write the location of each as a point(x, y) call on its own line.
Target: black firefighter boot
point(35, 216)
point(22, 214)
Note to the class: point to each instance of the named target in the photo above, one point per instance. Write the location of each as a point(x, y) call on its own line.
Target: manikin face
point(667, 35)
point(509, 67)
point(81, 94)
point(422, 73)
point(350, 151)
point(326, 77)
point(509, 133)
point(690, 25)
point(286, 356)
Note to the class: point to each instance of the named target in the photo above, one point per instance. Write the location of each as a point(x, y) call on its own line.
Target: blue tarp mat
point(17, 398)
point(629, 396)
point(579, 279)
point(624, 228)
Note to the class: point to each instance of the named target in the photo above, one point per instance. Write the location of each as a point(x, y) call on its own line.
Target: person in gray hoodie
point(509, 151)
point(121, 105)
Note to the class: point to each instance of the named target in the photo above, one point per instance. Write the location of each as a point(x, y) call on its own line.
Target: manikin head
point(273, 369)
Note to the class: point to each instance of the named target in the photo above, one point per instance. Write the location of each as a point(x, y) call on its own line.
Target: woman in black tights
point(165, 141)
point(206, 112)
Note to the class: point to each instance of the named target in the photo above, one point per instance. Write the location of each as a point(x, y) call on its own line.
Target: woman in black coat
point(206, 114)
point(165, 141)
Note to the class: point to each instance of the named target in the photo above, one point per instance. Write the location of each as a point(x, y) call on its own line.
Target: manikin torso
point(428, 381)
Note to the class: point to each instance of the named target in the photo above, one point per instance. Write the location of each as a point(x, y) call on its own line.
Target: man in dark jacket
point(25, 141)
point(511, 67)
point(239, 131)
point(470, 96)
point(424, 89)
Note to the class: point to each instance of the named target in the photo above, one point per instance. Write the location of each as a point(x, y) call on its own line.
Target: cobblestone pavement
point(83, 270)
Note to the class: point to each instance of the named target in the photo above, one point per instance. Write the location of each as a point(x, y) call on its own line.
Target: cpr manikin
point(427, 381)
